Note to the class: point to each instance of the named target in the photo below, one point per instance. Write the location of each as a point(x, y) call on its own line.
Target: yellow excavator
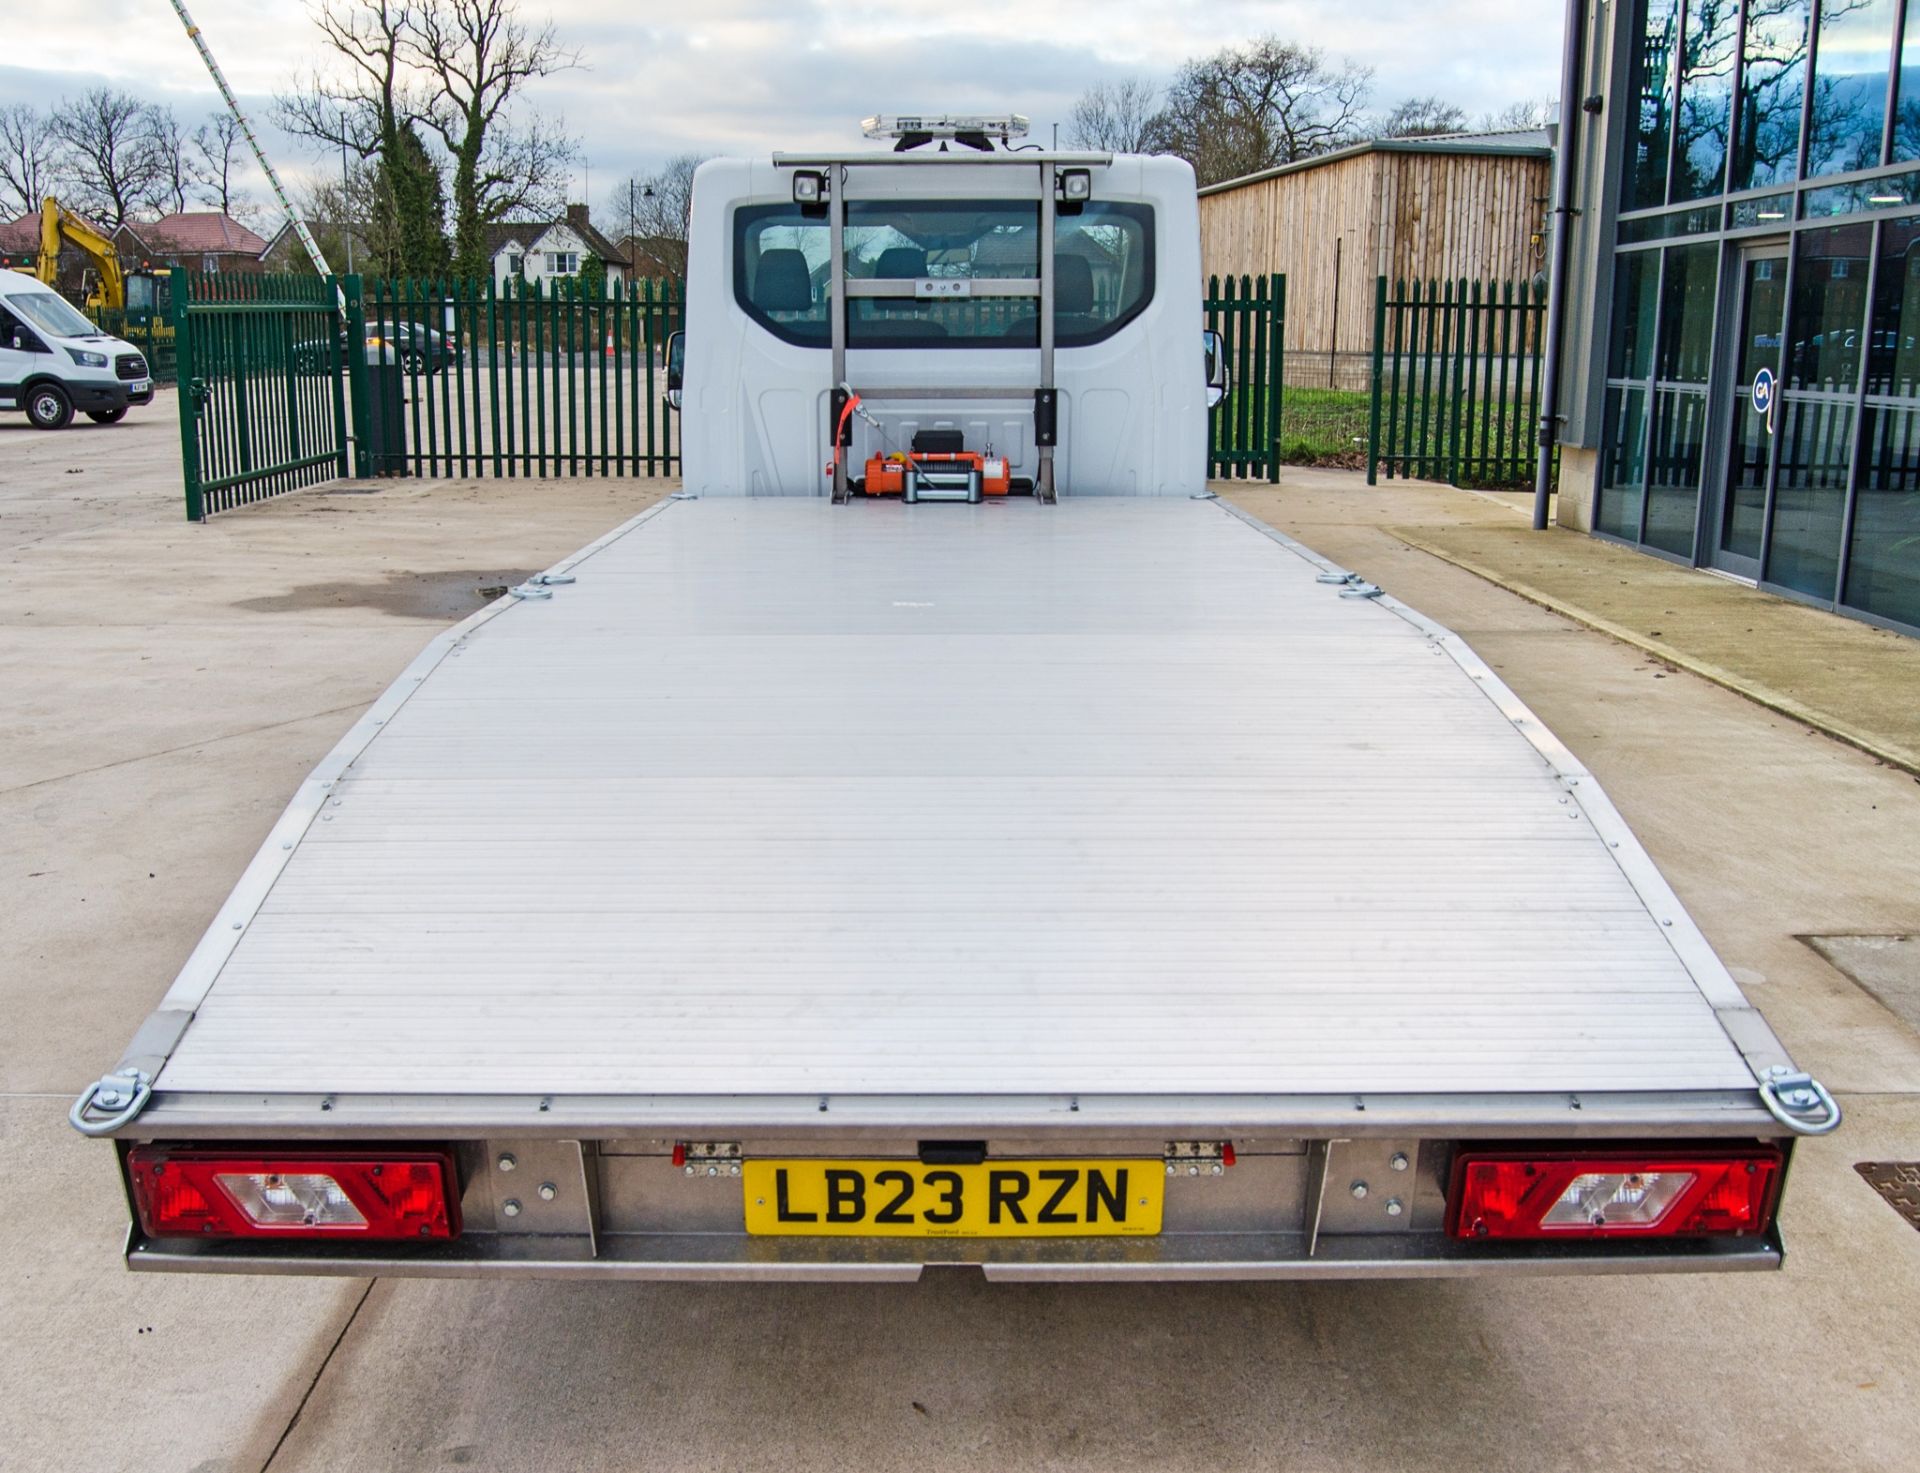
point(144, 296)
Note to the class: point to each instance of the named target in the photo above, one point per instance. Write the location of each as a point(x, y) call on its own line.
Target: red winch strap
point(840, 431)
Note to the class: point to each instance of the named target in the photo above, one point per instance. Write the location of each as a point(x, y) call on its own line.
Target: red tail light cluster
point(1614, 1193)
point(205, 1193)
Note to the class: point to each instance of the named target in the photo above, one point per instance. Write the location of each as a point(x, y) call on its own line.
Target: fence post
point(1379, 358)
point(355, 349)
point(1277, 367)
point(1211, 308)
point(188, 399)
point(1453, 372)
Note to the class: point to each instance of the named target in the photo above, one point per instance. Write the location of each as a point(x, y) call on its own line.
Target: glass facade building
point(1761, 412)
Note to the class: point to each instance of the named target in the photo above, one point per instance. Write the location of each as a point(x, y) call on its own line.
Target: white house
point(541, 250)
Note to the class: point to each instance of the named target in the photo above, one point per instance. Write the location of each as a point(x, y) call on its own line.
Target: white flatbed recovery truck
point(829, 886)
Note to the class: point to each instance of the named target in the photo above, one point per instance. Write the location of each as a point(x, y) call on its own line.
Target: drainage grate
point(1898, 1182)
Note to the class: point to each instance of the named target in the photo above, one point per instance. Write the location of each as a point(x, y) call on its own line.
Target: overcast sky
point(747, 76)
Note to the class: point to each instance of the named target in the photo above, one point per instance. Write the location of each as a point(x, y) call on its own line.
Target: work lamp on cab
point(809, 186)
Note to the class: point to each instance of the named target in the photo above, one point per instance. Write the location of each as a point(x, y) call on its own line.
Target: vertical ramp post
point(1046, 403)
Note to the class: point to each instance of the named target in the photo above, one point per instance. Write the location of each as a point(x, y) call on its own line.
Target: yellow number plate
point(996, 1199)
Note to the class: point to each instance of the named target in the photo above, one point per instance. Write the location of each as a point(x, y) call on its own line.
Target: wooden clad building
point(1466, 204)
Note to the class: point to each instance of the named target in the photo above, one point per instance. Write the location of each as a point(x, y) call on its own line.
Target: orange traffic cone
point(609, 342)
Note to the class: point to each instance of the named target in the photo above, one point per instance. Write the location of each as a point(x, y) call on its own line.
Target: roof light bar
point(1633, 1193)
point(1004, 126)
point(270, 1192)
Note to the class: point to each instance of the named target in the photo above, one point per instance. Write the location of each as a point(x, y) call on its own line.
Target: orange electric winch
point(887, 474)
point(939, 467)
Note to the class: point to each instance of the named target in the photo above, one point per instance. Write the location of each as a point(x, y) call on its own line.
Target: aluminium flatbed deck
point(951, 811)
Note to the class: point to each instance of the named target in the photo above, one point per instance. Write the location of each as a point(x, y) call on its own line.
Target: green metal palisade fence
point(535, 380)
point(262, 403)
point(151, 333)
point(1456, 381)
point(463, 378)
point(1243, 433)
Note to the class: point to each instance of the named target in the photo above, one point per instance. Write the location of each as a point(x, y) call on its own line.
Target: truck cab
point(1036, 311)
point(53, 361)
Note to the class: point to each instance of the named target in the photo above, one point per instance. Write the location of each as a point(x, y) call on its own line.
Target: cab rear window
point(1103, 271)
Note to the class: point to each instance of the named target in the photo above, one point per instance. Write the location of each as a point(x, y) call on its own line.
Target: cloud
point(747, 76)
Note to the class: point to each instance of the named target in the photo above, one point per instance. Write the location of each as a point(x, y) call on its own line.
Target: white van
point(54, 361)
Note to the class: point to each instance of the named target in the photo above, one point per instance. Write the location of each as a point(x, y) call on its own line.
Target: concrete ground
point(168, 686)
point(1850, 679)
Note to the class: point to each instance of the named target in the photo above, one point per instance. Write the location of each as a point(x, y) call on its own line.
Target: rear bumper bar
point(1171, 1257)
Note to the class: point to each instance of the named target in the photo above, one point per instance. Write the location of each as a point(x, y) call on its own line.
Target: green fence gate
point(1456, 381)
point(262, 398)
point(1243, 431)
point(554, 379)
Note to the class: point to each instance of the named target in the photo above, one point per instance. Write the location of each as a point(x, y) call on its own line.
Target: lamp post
point(346, 208)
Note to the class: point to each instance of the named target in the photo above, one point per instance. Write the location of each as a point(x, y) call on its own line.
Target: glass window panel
point(1849, 85)
point(1635, 277)
point(1653, 67)
point(1883, 562)
point(1757, 346)
point(1769, 209)
point(1707, 54)
point(1697, 221)
point(1622, 468)
point(1767, 143)
point(1906, 109)
point(1810, 496)
point(1829, 308)
point(1883, 193)
point(1686, 314)
point(1673, 468)
point(1893, 357)
point(1883, 566)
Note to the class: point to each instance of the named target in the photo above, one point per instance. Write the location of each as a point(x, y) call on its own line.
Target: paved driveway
point(168, 685)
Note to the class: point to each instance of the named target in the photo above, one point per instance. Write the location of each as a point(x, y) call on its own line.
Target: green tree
point(475, 57)
point(371, 107)
point(593, 277)
point(409, 209)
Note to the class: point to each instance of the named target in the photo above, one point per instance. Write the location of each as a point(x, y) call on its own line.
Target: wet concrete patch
point(440, 596)
point(1886, 966)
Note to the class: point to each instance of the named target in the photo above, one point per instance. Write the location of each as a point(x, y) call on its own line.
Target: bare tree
point(371, 110)
point(29, 157)
point(343, 214)
point(1116, 117)
point(217, 146)
point(477, 57)
point(655, 211)
point(1421, 117)
point(1519, 117)
point(363, 109)
point(175, 179)
point(107, 140)
point(1258, 105)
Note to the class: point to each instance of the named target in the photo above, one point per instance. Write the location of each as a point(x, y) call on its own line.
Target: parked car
point(422, 349)
point(312, 355)
point(418, 350)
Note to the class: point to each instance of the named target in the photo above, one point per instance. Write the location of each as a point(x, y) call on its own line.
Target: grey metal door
point(1738, 509)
